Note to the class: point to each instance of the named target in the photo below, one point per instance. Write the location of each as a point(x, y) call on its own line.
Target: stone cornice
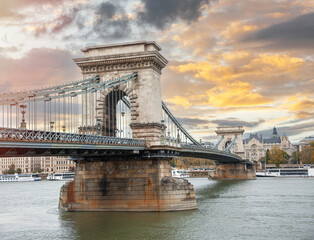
point(111, 59)
point(122, 62)
point(235, 132)
point(122, 44)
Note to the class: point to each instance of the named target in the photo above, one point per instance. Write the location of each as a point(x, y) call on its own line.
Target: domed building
point(256, 146)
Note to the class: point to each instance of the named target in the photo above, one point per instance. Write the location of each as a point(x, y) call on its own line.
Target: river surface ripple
point(268, 208)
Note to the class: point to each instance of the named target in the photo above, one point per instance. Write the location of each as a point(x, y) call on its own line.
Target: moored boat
point(180, 173)
point(66, 176)
point(19, 177)
point(286, 172)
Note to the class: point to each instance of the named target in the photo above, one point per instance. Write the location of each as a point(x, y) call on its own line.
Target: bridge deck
point(21, 142)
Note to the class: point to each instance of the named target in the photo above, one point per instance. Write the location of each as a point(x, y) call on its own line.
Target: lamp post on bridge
point(51, 126)
point(178, 136)
point(98, 126)
point(23, 123)
point(122, 114)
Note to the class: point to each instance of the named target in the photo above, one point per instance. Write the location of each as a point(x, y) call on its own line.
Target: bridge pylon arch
point(144, 93)
point(231, 138)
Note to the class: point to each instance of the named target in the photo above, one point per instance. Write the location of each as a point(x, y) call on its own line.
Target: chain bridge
point(116, 127)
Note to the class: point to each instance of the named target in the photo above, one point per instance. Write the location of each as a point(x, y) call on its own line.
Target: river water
point(268, 208)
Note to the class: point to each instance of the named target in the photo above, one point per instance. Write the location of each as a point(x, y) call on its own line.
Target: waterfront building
point(52, 164)
point(256, 145)
point(305, 142)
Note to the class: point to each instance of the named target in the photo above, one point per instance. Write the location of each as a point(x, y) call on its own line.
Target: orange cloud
point(237, 28)
point(301, 106)
point(281, 62)
point(181, 101)
point(208, 71)
point(234, 95)
point(279, 14)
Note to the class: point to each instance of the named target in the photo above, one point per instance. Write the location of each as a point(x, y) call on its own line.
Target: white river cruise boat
point(180, 173)
point(287, 172)
point(66, 176)
point(20, 177)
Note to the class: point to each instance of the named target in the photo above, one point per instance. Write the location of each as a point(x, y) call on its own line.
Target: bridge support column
point(126, 185)
point(233, 171)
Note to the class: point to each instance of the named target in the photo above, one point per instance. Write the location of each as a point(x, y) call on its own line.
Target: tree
point(19, 171)
point(11, 169)
point(263, 162)
point(295, 157)
point(286, 156)
point(306, 155)
point(312, 157)
point(267, 158)
point(173, 162)
point(276, 156)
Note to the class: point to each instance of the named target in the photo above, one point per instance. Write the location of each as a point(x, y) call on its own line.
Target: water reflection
point(134, 225)
point(226, 210)
point(120, 225)
point(224, 207)
point(214, 189)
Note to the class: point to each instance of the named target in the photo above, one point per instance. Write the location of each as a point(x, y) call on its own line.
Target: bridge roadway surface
point(20, 142)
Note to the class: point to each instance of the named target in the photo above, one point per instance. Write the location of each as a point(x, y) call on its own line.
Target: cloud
point(242, 78)
point(8, 49)
point(237, 122)
point(228, 91)
point(10, 8)
point(181, 101)
point(295, 33)
point(235, 94)
point(38, 68)
point(161, 13)
point(282, 62)
point(193, 123)
point(64, 20)
point(291, 131)
point(111, 22)
point(236, 29)
point(57, 23)
point(303, 106)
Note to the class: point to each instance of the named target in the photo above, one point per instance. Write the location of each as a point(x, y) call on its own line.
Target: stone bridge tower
point(144, 93)
point(138, 181)
point(226, 136)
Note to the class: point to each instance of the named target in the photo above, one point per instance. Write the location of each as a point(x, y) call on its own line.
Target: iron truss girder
point(22, 137)
point(210, 154)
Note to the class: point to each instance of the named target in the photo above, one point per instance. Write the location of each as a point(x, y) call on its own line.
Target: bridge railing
point(34, 135)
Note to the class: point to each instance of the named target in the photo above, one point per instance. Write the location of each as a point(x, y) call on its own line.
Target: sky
point(248, 63)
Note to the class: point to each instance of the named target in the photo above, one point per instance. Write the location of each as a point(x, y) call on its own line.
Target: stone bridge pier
point(134, 182)
point(126, 185)
point(233, 171)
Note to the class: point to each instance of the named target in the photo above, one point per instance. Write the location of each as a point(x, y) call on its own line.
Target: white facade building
point(53, 164)
point(305, 142)
point(256, 146)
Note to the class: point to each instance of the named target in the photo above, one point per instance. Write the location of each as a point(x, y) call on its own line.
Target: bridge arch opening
point(227, 144)
point(116, 114)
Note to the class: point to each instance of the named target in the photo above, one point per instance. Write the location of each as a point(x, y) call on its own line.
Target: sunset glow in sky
point(231, 62)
